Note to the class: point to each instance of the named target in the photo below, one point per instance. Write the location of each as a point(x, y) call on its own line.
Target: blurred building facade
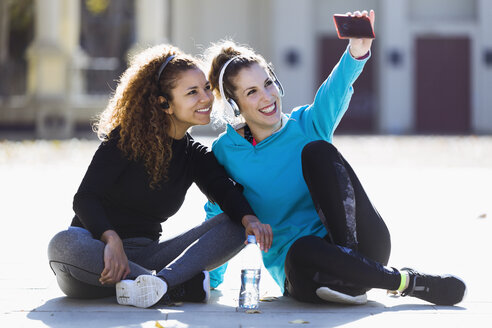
point(430, 71)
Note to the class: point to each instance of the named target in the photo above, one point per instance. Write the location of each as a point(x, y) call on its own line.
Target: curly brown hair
point(135, 112)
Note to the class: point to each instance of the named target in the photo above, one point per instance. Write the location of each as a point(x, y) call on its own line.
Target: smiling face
point(259, 100)
point(191, 102)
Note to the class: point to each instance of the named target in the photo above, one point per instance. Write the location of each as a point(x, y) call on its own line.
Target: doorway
point(442, 85)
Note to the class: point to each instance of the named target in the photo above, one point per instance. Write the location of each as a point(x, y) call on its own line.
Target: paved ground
point(434, 193)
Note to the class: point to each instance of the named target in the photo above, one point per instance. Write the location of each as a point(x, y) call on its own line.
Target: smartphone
point(353, 27)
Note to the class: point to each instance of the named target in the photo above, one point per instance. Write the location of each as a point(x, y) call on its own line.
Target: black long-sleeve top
point(115, 192)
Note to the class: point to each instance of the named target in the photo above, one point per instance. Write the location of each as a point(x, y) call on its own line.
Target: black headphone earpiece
point(227, 101)
point(279, 86)
point(234, 106)
point(165, 105)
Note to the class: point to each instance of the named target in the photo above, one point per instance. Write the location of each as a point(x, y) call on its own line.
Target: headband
point(221, 77)
point(164, 64)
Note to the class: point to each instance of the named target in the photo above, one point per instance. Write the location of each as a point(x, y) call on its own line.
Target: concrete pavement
point(433, 192)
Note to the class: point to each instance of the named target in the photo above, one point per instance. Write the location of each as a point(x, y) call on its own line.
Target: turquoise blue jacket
point(271, 171)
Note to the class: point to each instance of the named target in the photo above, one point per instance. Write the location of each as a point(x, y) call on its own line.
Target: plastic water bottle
point(249, 295)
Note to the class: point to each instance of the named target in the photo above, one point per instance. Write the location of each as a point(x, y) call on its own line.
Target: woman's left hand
point(360, 47)
point(262, 232)
point(116, 265)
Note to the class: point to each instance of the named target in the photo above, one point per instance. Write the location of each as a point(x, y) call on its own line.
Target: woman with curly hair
point(137, 179)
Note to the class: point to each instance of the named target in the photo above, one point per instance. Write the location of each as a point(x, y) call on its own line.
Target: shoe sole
point(333, 296)
point(142, 292)
point(206, 286)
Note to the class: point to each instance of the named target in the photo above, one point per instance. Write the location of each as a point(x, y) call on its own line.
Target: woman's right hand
point(116, 265)
point(263, 232)
point(360, 47)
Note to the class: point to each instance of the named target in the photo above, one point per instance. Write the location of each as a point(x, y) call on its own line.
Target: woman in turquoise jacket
point(329, 242)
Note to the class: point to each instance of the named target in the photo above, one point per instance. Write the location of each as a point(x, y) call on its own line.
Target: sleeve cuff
point(365, 56)
point(362, 58)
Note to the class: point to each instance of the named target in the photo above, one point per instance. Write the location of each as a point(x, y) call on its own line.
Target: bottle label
point(249, 295)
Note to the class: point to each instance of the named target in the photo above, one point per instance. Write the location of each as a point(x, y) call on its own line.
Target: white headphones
point(230, 102)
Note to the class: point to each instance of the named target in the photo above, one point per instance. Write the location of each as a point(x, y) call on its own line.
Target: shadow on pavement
point(105, 312)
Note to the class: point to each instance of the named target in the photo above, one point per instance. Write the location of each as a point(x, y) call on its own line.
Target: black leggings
point(352, 257)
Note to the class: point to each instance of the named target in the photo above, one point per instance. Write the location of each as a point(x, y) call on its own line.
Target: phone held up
point(353, 27)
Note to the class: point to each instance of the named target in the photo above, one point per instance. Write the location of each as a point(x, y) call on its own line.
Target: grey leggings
point(76, 257)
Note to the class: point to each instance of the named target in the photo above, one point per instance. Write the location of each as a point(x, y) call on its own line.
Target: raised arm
point(333, 97)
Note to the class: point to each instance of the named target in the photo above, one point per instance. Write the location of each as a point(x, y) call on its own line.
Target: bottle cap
point(251, 239)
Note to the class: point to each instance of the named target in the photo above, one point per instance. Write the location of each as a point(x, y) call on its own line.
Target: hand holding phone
point(349, 26)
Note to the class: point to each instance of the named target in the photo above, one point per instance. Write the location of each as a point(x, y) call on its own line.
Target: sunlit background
point(430, 71)
point(418, 131)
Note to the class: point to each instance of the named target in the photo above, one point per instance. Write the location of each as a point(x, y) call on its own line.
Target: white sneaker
point(331, 295)
point(142, 292)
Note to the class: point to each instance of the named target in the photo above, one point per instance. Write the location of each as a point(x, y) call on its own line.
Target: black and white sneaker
point(142, 292)
point(440, 290)
point(197, 289)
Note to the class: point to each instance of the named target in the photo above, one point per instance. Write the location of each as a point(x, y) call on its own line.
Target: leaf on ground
point(392, 292)
point(298, 321)
point(253, 311)
point(269, 299)
point(174, 304)
point(158, 325)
